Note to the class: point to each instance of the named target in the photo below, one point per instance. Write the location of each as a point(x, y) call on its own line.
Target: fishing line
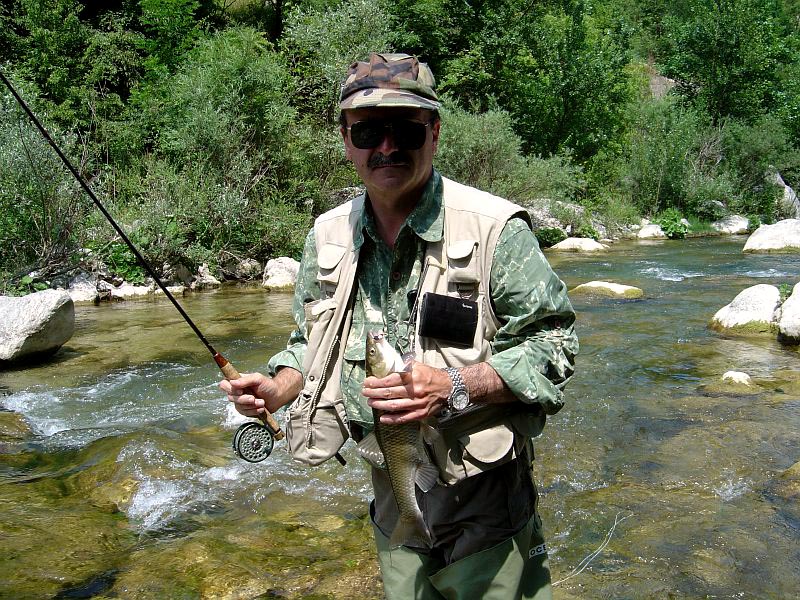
point(590, 557)
point(253, 442)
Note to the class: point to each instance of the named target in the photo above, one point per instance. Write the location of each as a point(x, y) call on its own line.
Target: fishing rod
point(252, 441)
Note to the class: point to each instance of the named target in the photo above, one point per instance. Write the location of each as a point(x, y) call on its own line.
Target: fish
point(401, 449)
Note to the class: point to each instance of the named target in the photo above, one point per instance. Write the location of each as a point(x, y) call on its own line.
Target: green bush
point(42, 208)
point(672, 224)
point(320, 43)
point(550, 236)
point(482, 150)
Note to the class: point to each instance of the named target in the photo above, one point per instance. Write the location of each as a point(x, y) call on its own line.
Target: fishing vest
point(458, 265)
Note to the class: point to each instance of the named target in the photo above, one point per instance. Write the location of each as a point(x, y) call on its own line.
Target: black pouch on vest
point(448, 319)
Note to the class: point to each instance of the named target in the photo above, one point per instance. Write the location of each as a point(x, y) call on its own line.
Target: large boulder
point(280, 273)
point(789, 323)
point(789, 202)
point(782, 236)
point(35, 325)
point(574, 244)
point(651, 231)
point(751, 311)
point(608, 290)
point(732, 225)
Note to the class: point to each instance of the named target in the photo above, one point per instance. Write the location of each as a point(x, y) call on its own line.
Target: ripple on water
point(670, 274)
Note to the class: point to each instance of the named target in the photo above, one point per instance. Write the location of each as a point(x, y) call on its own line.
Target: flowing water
point(117, 478)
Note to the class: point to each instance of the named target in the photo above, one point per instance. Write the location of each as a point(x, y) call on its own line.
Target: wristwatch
point(459, 396)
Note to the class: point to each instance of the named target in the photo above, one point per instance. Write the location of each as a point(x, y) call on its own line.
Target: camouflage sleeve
point(535, 347)
point(306, 290)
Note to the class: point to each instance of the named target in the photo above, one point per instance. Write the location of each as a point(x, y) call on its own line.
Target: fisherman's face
point(391, 168)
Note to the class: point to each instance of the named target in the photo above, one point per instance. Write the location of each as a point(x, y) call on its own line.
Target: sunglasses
point(407, 134)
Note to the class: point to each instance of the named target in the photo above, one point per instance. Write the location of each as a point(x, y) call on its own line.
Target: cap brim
point(377, 97)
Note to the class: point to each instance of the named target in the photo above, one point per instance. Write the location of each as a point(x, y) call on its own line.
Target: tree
point(727, 56)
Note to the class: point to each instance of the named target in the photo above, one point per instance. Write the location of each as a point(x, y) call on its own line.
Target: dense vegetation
point(208, 126)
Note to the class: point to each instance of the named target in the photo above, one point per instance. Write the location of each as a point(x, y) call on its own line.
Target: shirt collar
point(426, 220)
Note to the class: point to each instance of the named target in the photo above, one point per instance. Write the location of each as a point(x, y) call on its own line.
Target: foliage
point(41, 207)
point(550, 236)
point(785, 291)
point(726, 56)
point(122, 261)
point(321, 43)
point(587, 230)
point(210, 138)
point(563, 82)
point(672, 224)
point(482, 150)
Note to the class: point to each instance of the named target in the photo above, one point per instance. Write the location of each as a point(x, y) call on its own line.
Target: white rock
point(737, 377)
point(248, 269)
point(789, 324)
point(128, 290)
point(204, 279)
point(783, 235)
point(573, 244)
point(651, 231)
point(789, 202)
point(280, 273)
point(83, 288)
point(732, 225)
point(753, 308)
point(607, 288)
point(38, 323)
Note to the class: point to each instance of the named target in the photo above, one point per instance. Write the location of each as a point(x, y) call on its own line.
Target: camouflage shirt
point(534, 348)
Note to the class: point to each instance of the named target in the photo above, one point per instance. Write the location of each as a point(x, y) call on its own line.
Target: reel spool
point(253, 442)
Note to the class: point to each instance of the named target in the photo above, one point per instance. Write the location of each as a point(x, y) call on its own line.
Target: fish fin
point(370, 450)
point(426, 476)
point(429, 434)
point(411, 531)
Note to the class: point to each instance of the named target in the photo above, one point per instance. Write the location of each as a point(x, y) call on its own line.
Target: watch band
point(459, 395)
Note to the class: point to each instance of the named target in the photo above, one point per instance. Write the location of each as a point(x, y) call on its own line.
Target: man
point(455, 276)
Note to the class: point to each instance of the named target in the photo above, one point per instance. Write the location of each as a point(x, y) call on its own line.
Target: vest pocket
point(473, 453)
point(462, 263)
point(330, 263)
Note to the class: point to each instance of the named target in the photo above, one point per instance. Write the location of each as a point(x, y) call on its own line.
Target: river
point(656, 481)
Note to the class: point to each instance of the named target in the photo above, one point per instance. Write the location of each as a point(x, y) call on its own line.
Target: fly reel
point(253, 442)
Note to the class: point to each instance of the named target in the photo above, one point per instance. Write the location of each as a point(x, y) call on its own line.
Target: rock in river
point(35, 325)
point(573, 244)
point(752, 311)
point(608, 289)
point(789, 324)
point(783, 236)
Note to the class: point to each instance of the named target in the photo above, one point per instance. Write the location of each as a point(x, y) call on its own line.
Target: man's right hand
point(253, 393)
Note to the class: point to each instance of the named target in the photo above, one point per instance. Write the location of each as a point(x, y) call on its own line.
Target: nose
point(388, 144)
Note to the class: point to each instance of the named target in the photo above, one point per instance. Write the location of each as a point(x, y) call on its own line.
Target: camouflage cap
point(389, 80)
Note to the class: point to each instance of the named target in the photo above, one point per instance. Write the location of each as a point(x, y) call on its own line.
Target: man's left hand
point(408, 396)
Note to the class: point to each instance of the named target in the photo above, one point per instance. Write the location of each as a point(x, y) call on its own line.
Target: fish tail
point(411, 531)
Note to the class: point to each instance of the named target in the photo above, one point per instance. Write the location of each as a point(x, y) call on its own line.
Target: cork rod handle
point(230, 373)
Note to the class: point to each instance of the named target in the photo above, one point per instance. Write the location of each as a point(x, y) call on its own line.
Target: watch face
point(460, 400)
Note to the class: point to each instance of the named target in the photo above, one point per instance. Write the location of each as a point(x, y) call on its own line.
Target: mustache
point(381, 160)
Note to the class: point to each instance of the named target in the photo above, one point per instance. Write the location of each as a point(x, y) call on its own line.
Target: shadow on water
point(89, 589)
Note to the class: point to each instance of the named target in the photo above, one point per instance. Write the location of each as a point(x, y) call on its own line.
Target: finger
point(398, 418)
point(394, 406)
point(392, 379)
point(246, 380)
